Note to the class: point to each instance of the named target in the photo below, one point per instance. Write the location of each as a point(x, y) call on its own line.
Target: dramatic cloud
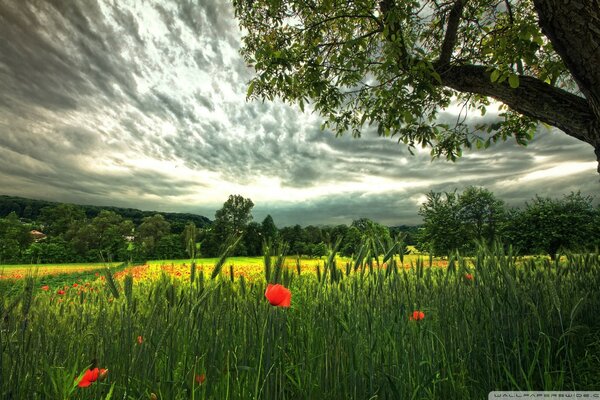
point(143, 105)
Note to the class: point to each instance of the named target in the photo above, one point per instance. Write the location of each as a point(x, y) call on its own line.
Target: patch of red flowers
point(45, 288)
point(61, 292)
point(75, 285)
point(417, 315)
point(469, 277)
point(92, 375)
point(278, 295)
point(200, 379)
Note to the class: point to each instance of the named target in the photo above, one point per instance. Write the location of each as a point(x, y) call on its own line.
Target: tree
point(58, 219)
point(295, 237)
point(169, 247)
point(233, 217)
point(268, 229)
point(548, 225)
point(14, 238)
point(230, 220)
point(359, 230)
point(351, 242)
point(442, 231)
point(395, 64)
point(481, 213)
point(149, 233)
point(101, 238)
point(253, 240)
point(317, 250)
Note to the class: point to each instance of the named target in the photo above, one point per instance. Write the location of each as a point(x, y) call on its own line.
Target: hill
point(29, 209)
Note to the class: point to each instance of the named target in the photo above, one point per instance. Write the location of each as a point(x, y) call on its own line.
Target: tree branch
point(451, 32)
point(533, 98)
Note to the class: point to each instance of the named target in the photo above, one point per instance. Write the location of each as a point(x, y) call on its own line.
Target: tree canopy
point(396, 64)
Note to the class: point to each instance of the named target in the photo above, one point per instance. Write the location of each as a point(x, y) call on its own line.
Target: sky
point(143, 104)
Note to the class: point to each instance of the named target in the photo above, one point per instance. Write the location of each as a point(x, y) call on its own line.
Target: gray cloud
point(144, 106)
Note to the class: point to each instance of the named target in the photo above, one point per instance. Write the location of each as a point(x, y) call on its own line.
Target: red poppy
point(140, 339)
point(75, 285)
point(46, 288)
point(469, 277)
point(417, 316)
point(200, 379)
point(92, 375)
point(60, 291)
point(278, 295)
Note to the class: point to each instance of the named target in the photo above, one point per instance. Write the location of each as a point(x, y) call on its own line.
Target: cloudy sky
point(142, 104)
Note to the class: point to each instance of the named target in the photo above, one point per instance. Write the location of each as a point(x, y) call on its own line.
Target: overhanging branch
point(532, 98)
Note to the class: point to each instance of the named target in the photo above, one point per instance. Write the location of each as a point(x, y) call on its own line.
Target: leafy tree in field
point(230, 220)
point(333, 233)
point(317, 250)
point(268, 229)
point(481, 213)
point(233, 216)
point(359, 230)
point(548, 225)
point(442, 231)
point(394, 64)
point(351, 242)
point(149, 233)
point(57, 220)
point(454, 221)
point(169, 247)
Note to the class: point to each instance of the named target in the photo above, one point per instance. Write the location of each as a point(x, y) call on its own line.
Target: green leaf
point(494, 75)
point(437, 77)
point(250, 89)
point(513, 81)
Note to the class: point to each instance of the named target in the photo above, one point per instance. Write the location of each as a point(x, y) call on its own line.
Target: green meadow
point(490, 322)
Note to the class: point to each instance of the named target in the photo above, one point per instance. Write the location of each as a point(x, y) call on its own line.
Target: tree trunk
point(573, 27)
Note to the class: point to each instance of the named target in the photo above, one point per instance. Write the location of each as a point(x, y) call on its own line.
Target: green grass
point(533, 326)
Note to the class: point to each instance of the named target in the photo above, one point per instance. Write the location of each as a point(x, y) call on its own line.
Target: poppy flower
point(200, 379)
point(45, 288)
point(60, 291)
point(469, 277)
point(417, 316)
point(140, 339)
point(278, 295)
point(75, 285)
point(92, 375)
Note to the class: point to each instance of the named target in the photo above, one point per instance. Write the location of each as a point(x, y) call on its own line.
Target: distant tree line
point(451, 222)
point(459, 221)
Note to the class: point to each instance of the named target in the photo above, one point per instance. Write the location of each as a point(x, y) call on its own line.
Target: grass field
point(17, 271)
point(172, 332)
